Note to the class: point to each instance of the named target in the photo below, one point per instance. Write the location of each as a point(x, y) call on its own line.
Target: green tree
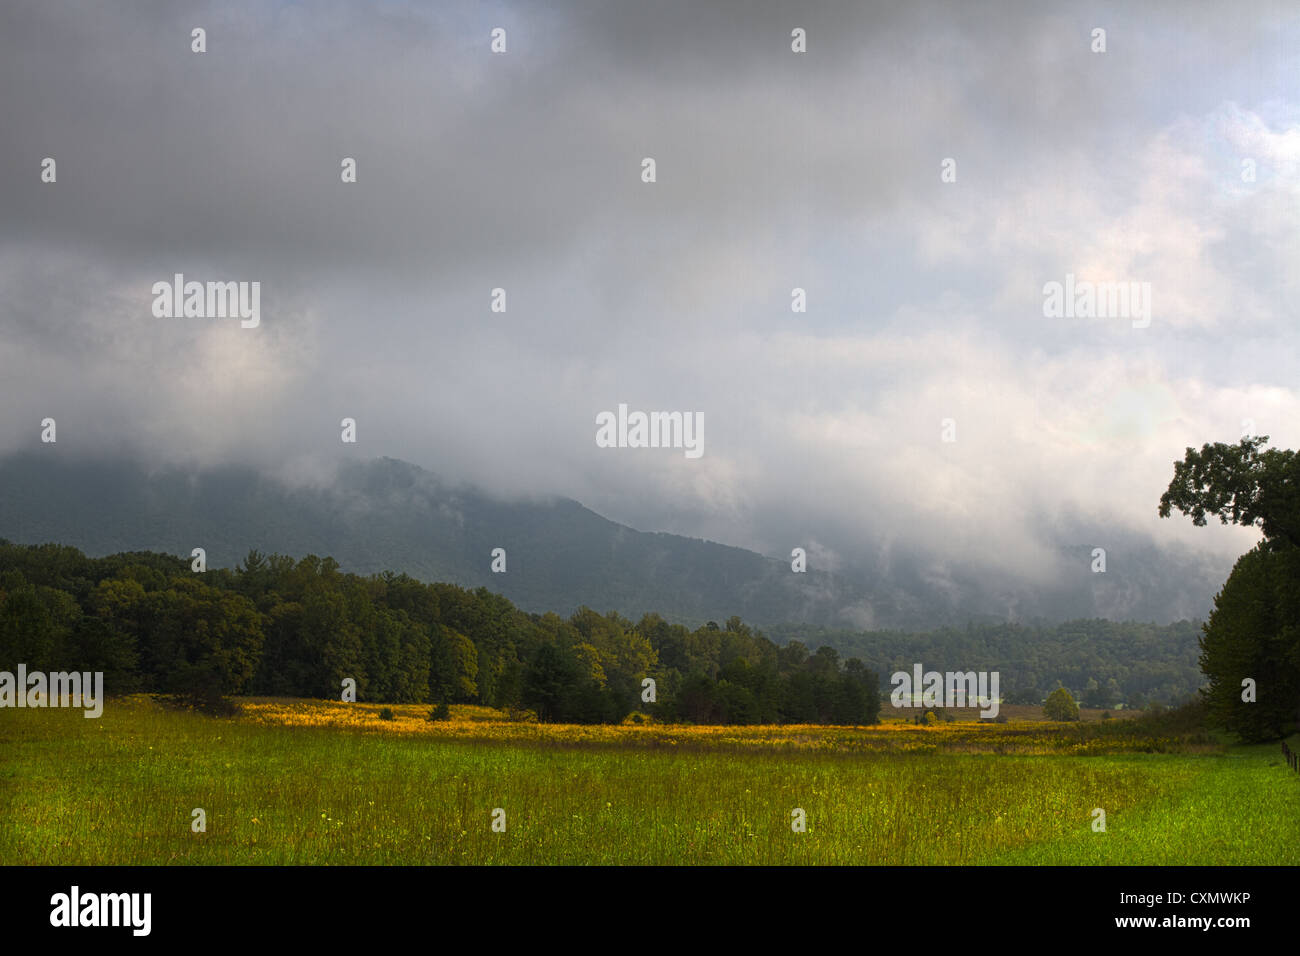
point(1060, 705)
point(1111, 693)
point(698, 700)
point(28, 632)
point(330, 647)
point(96, 645)
point(453, 667)
point(1095, 695)
point(206, 642)
point(1253, 634)
point(1239, 484)
point(861, 695)
point(1254, 631)
point(549, 682)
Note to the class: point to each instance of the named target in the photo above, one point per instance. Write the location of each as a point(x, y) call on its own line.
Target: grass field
point(315, 782)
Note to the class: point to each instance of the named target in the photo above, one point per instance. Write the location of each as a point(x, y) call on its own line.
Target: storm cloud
point(1172, 158)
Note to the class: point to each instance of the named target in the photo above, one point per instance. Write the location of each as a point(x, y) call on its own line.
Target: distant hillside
point(388, 514)
point(385, 514)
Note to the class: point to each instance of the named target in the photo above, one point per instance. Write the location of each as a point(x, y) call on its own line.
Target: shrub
point(440, 712)
point(386, 713)
point(1060, 705)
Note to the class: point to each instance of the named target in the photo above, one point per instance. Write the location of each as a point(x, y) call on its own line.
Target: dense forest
point(1103, 664)
point(276, 626)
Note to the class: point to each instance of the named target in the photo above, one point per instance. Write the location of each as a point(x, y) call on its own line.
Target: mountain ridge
point(387, 514)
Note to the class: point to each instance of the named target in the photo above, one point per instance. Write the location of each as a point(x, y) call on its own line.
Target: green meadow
point(294, 784)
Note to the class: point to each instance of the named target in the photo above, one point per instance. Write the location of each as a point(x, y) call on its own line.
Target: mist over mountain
point(859, 307)
point(386, 514)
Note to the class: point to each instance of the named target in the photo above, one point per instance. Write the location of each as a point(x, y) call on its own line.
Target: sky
point(1170, 160)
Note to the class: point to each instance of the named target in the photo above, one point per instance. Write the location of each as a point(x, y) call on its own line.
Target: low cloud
point(776, 171)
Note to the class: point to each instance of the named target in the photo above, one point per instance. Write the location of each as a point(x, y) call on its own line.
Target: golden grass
point(895, 736)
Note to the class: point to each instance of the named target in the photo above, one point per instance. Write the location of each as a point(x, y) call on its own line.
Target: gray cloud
point(775, 170)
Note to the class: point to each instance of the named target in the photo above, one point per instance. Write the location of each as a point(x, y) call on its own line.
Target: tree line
point(277, 626)
point(1104, 664)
